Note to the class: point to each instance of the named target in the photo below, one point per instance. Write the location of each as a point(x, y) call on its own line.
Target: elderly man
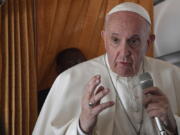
point(102, 96)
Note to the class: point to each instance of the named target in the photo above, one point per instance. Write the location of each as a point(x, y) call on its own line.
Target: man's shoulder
point(94, 61)
point(94, 64)
point(80, 74)
point(163, 65)
point(87, 69)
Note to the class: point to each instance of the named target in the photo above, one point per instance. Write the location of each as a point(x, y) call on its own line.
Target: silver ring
point(91, 104)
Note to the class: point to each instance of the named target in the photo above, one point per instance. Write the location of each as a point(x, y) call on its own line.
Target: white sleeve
point(80, 132)
point(58, 115)
point(177, 118)
point(60, 112)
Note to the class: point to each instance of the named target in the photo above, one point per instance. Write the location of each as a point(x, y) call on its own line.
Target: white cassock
point(61, 110)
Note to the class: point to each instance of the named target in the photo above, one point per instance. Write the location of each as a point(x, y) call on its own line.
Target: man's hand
point(91, 106)
point(157, 105)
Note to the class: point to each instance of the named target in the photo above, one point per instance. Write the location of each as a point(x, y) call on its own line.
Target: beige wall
point(166, 25)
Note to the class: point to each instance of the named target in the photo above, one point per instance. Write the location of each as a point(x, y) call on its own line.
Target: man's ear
point(103, 37)
point(102, 34)
point(151, 40)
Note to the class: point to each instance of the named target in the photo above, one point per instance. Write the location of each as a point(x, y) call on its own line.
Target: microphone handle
point(146, 81)
point(159, 125)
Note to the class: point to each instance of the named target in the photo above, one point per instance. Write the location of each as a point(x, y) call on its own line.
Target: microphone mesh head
point(145, 80)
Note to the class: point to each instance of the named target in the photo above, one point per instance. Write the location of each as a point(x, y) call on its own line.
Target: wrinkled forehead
point(125, 18)
point(126, 23)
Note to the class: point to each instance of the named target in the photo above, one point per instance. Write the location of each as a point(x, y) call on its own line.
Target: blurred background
point(33, 32)
point(166, 28)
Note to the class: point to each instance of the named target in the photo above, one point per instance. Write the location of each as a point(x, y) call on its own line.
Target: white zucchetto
point(132, 7)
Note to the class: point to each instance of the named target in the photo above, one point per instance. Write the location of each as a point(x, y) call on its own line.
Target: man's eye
point(134, 43)
point(115, 40)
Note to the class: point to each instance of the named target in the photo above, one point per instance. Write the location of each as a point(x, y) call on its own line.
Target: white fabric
point(130, 95)
point(80, 132)
point(60, 113)
point(132, 7)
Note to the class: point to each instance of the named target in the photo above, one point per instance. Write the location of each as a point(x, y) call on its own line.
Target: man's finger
point(100, 95)
point(92, 84)
point(151, 99)
point(98, 109)
point(153, 91)
point(155, 106)
point(156, 113)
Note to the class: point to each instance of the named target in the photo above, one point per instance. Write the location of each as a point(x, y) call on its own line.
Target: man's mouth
point(125, 63)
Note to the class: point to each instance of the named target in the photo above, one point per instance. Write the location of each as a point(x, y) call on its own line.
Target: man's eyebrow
point(135, 36)
point(115, 34)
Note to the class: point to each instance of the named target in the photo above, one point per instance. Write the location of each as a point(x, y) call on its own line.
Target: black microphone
point(146, 81)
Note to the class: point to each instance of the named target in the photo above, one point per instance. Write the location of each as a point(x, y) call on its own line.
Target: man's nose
point(124, 49)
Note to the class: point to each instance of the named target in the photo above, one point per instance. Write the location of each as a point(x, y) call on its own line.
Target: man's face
point(126, 37)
